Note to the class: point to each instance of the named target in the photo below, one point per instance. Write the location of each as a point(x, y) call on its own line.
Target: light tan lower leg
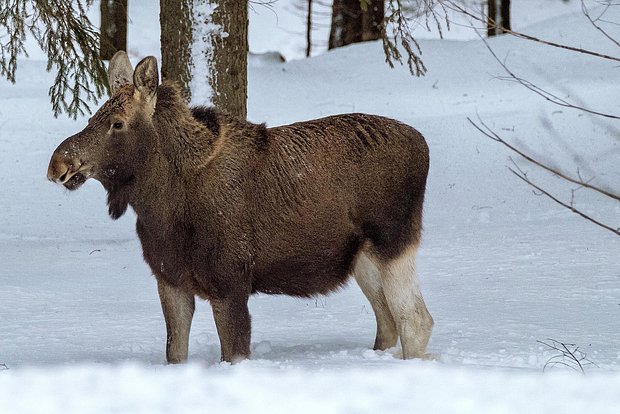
point(402, 291)
point(368, 278)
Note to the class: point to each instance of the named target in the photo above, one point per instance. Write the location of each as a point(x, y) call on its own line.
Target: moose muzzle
point(66, 168)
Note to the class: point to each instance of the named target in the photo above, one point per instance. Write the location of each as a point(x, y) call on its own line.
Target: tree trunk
point(309, 29)
point(228, 74)
point(113, 28)
point(498, 17)
point(505, 15)
point(372, 20)
point(351, 24)
point(175, 20)
point(492, 20)
point(204, 48)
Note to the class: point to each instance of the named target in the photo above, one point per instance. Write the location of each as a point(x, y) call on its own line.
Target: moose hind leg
point(402, 291)
point(178, 308)
point(369, 280)
point(232, 320)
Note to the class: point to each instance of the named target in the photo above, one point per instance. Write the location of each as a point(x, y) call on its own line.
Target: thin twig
point(569, 207)
point(592, 21)
point(495, 137)
point(569, 356)
point(539, 91)
point(561, 46)
point(456, 7)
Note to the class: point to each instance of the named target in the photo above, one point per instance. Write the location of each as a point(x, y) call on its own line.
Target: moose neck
point(182, 144)
point(185, 142)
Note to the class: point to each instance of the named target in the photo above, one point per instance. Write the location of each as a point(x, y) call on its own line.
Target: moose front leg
point(232, 320)
point(178, 308)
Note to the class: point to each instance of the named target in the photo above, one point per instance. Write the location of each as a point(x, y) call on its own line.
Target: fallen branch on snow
point(569, 355)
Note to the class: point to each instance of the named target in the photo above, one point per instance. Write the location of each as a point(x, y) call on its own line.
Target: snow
point(203, 32)
point(414, 387)
point(81, 329)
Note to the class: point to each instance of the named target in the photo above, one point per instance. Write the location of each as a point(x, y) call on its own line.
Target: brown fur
point(226, 208)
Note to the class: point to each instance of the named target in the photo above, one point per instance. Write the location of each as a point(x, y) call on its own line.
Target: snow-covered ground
point(81, 329)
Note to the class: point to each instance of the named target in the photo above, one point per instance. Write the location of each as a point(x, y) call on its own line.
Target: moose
point(227, 208)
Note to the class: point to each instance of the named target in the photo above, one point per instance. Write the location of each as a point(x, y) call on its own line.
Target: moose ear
point(146, 79)
point(119, 71)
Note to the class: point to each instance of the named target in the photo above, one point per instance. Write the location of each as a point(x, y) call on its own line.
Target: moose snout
point(61, 169)
point(66, 170)
point(67, 166)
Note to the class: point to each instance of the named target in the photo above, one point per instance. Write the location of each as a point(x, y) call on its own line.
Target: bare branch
point(487, 131)
point(592, 21)
point(495, 137)
point(457, 7)
point(569, 356)
point(539, 91)
point(525, 178)
point(561, 46)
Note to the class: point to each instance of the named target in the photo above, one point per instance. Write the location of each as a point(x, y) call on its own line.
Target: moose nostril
point(63, 177)
point(59, 171)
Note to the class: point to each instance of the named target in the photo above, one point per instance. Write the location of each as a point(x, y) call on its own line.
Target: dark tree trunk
point(372, 20)
point(505, 16)
point(229, 73)
point(498, 17)
point(113, 28)
point(346, 26)
point(175, 19)
point(492, 20)
point(351, 24)
point(309, 29)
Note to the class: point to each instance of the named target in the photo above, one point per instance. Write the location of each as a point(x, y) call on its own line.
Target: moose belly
point(305, 270)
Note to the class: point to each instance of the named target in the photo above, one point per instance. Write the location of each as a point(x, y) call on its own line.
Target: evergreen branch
point(70, 41)
point(401, 34)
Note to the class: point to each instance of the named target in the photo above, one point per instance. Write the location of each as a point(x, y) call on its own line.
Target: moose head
point(118, 137)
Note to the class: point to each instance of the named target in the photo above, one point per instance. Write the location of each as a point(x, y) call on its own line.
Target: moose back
point(226, 208)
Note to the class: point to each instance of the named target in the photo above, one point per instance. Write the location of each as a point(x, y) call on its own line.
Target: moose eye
point(117, 125)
